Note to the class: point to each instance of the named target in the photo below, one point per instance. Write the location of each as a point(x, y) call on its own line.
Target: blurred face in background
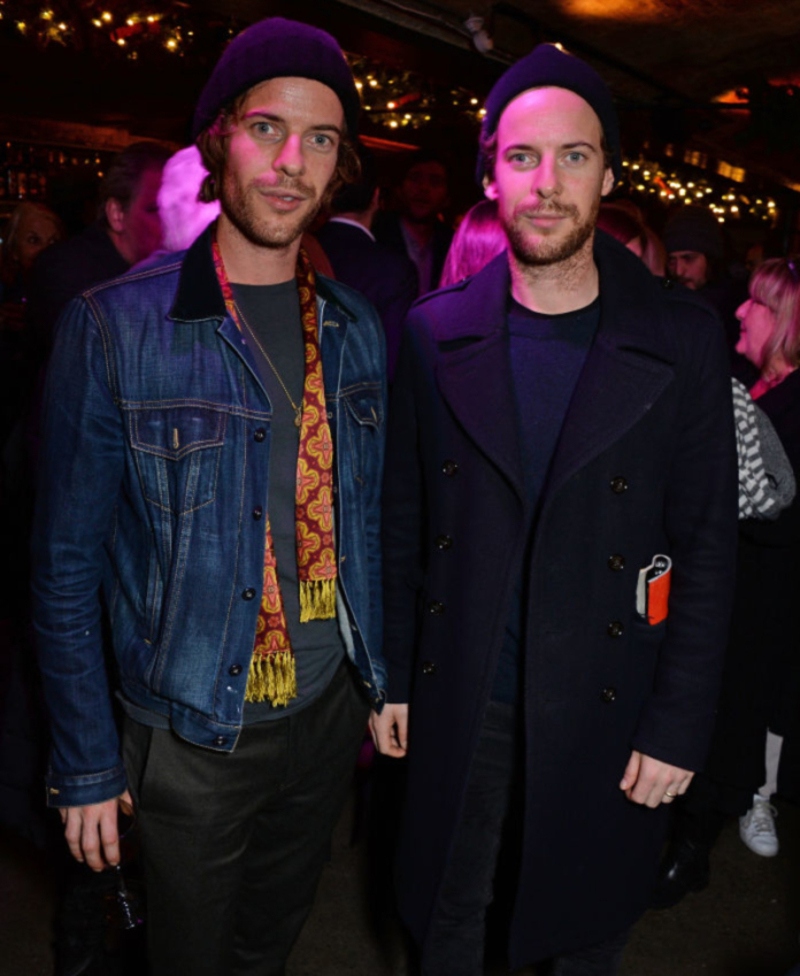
point(424, 192)
point(756, 324)
point(136, 229)
point(690, 268)
point(36, 232)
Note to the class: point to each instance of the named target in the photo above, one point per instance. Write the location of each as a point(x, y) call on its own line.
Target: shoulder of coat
point(684, 299)
point(432, 296)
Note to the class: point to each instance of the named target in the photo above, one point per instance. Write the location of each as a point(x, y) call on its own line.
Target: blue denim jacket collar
point(199, 297)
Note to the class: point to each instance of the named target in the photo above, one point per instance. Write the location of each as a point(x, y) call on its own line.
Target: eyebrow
point(270, 117)
point(566, 145)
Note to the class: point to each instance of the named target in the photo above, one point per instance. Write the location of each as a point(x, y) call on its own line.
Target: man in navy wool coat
point(560, 532)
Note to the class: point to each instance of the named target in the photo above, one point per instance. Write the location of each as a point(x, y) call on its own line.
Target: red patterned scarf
point(272, 669)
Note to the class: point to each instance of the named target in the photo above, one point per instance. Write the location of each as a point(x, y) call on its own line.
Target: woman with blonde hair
point(755, 751)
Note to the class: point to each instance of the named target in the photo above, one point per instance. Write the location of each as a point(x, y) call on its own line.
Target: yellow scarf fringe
point(317, 600)
point(273, 677)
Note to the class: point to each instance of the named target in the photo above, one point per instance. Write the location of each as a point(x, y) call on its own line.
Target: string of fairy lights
point(671, 185)
point(394, 99)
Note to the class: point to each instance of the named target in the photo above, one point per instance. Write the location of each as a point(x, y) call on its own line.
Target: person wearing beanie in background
point(207, 421)
point(695, 247)
point(560, 521)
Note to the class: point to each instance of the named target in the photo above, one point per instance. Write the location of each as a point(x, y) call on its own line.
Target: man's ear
point(609, 181)
point(115, 215)
point(489, 188)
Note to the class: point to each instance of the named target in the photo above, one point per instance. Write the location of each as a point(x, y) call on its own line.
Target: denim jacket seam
point(129, 406)
point(106, 340)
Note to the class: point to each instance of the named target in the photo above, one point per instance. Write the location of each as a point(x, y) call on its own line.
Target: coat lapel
point(626, 370)
point(473, 371)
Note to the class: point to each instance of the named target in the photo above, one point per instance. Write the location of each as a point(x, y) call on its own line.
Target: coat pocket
point(177, 451)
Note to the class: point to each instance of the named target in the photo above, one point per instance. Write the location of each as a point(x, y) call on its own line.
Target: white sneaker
point(757, 827)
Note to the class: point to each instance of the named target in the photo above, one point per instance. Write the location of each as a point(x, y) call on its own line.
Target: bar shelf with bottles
point(28, 169)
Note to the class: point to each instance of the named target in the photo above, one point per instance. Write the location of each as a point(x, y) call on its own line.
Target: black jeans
point(233, 844)
point(454, 944)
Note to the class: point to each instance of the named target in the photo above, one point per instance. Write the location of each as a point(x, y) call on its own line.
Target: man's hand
point(91, 831)
point(652, 782)
point(390, 730)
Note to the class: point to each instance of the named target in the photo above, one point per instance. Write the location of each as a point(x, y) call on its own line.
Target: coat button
point(258, 511)
point(444, 542)
point(234, 670)
point(220, 740)
point(436, 607)
point(428, 667)
point(449, 468)
point(616, 563)
point(615, 629)
point(249, 593)
point(609, 694)
point(260, 434)
point(619, 485)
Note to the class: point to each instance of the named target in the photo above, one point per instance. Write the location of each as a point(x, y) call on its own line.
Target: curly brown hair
point(213, 145)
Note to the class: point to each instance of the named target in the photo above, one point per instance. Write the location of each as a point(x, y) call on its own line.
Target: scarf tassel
point(317, 600)
point(273, 677)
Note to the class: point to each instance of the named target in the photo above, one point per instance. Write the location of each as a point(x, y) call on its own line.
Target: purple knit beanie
point(549, 66)
point(277, 48)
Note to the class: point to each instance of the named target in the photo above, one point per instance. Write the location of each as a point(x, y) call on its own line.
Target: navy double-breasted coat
point(645, 465)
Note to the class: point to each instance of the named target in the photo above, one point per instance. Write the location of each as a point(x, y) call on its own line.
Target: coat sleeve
point(79, 478)
point(402, 521)
point(700, 521)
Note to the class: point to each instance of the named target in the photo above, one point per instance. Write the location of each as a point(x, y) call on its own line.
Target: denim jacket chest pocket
point(177, 450)
point(363, 416)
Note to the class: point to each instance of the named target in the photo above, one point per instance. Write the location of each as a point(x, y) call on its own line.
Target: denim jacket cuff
point(78, 791)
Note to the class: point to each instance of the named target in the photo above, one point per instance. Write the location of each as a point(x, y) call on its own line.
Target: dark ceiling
point(665, 59)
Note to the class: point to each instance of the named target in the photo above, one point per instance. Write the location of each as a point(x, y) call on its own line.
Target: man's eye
point(575, 157)
point(520, 159)
point(321, 141)
point(264, 129)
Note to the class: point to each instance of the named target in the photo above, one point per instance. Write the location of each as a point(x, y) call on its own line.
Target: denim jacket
point(152, 489)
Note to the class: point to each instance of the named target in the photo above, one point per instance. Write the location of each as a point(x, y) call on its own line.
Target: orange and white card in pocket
point(652, 590)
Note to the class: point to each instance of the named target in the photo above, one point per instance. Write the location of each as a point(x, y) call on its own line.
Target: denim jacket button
point(220, 740)
point(258, 511)
point(260, 434)
point(249, 593)
point(234, 670)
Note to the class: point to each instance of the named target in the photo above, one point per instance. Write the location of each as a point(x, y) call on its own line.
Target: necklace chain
point(298, 411)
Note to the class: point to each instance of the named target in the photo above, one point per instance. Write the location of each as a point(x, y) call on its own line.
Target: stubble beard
point(277, 231)
point(542, 252)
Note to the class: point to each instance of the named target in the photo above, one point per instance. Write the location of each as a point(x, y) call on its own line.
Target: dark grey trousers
point(454, 944)
point(233, 844)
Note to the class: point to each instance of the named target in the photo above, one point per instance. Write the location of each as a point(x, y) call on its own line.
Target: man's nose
point(546, 180)
point(290, 159)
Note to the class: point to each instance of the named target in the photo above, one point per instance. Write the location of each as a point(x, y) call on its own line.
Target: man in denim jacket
point(209, 486)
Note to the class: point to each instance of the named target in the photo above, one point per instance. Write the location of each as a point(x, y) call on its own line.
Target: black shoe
point(684, 868)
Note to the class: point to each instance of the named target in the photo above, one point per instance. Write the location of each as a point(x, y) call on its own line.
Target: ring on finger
point(669, 795)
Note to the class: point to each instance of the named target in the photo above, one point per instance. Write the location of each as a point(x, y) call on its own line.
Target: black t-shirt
point(547, 355)
point(272, 316)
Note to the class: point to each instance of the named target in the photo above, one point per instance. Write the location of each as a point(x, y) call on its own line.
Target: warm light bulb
point(107, 17)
